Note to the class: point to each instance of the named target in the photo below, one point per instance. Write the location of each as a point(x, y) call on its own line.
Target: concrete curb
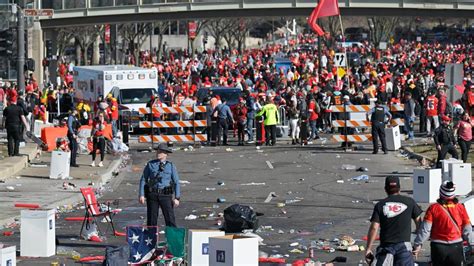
point(10, 166)
point(103, 178)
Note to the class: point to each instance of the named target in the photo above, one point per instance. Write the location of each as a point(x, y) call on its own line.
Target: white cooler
point(60, 165)
point(198, 241)
point(8, 256)
point(461, 175)
point(393, 138)
point(38, 233)
point(426, 183)
point(233, 250)
point(445, 166)
point(469, 205)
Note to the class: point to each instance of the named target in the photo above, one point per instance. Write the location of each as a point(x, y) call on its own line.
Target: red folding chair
point(94, 210)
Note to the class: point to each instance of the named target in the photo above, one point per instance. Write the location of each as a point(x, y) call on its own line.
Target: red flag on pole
point(325, 8)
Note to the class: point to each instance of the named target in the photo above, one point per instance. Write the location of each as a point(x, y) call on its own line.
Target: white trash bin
point(461, 175)
point(445, 166)
point(393, 138)
point(8, 256)
point(38, 233)
point(426, 183)
point(60, 167)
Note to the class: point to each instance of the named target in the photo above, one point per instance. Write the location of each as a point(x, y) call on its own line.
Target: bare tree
point(230, 26)
point(85, 36)
point(161, 27)
point(384, 28)
point(240, 34)
point(217, 28)
point(64, 38)
point(135, 34)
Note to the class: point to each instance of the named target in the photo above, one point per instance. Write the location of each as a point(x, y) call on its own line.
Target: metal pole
point(20, 47)
point(320, 67)
point(346, 144)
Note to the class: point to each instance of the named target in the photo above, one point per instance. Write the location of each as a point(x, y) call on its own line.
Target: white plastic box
point(60, 165)
point(445, 166)
point(8, 256)
point(469, 205)
point(233, 250)
point(198, 241)
point(38, 233)
point(461, 175)
point(426, 183)
point(393, 138)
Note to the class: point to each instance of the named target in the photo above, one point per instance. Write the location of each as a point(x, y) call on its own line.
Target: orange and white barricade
point(173, 124)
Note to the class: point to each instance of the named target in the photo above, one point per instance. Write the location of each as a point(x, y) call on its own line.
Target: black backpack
point(116, 256)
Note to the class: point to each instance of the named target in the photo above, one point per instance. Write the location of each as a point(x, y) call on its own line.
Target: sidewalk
point(32, 184)
point(9, 166)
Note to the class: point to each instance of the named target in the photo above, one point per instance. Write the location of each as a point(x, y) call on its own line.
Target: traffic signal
point(49, 49)
point(6, 43)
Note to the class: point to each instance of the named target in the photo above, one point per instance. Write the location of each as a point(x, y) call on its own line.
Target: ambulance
point(131, 86)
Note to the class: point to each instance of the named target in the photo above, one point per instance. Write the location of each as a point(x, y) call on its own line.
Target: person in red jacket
point(98, 138)
point(431, 107)
point(447, 224)
point(113, 112)
point(241, 115)
point(313, 117)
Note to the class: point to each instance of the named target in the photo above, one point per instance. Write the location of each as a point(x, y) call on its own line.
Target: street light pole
point(20, 47)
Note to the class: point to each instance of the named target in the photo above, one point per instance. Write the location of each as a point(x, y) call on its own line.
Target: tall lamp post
point(370, 21)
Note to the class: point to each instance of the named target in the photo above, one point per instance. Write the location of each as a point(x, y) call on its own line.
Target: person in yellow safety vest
point(84, 110)
point(271, 118)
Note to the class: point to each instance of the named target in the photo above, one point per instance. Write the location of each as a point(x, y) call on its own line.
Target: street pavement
point(327, 209)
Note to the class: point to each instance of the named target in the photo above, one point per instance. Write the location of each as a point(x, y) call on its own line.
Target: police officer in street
point(377, 116)
point(13, 118)
point(72, 131)
point(159, 187)
point(445, 141)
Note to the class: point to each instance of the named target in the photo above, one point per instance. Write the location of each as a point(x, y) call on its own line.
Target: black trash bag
point(116, 256)
point(238, 218)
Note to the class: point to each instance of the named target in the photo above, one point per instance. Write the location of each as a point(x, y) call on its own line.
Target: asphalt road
point(327, 209)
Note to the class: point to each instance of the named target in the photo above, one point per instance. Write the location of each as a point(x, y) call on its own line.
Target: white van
point(131, 86)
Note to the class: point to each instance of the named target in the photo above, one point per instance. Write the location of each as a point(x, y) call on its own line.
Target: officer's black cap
point(163, 147)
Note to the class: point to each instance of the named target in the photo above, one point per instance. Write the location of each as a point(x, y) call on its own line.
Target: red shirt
point(114, 110)
point(312, 109)
point(442, 227)
point(99, 128)
point(464, 130)
point(431, 105)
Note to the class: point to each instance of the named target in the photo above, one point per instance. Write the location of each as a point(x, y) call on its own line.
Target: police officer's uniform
point(377, 117)
point(73, 126)
point(444, 137)
point(158, 184)
point(13, 122)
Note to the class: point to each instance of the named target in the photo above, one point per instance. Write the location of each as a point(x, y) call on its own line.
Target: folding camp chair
point(94, 209)
point(175, 246)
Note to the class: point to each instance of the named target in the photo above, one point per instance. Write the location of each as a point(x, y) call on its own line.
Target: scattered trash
point(68, 186)
point(210, 188)
point(338, 156)
point(190, 217)
point(296, 251)
point(362, 169)
point(221, 200)
point(253, 184)
point(365, 159)
point(270, 196)
point(258, 147)
point(68, 252)
point(8, 233)
point(361, 178)
point(37, 165)
point(292, 201)
point(240, 217)
point(269, 164)
point(281, 205)
point(346, 241)
point(281, 231)
point(357, 201)
point(90, 233)
point(348, 167)
point(10, 188)
point(229, 150)
point(220, 183)
point(294, 244)
point(184, 182)
point(340, 181)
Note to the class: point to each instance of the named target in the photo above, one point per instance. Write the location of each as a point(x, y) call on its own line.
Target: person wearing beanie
point(393, 216)
point(447, 224)
point(445, 141)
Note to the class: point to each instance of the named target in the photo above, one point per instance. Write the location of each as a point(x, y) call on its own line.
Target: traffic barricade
point(356, 112)
point(173, 124)
point(397, 115)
